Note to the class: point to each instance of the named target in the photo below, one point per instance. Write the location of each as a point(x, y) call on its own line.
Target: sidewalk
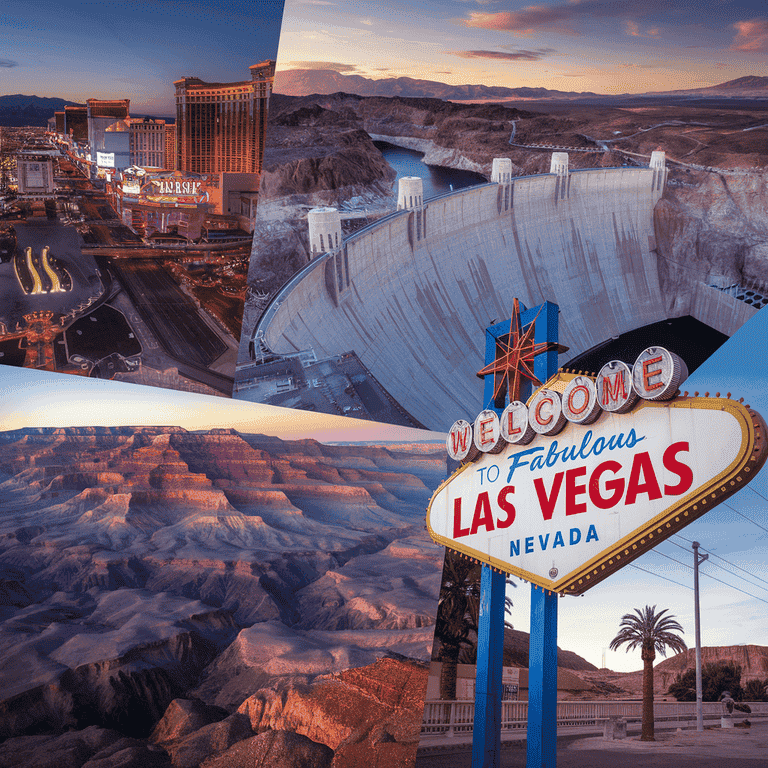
point(711, 748)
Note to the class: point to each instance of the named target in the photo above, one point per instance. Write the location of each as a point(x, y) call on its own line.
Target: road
point(172, 316)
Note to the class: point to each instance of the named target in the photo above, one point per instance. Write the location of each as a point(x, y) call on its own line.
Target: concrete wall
point(415, 310)
point(718, 310)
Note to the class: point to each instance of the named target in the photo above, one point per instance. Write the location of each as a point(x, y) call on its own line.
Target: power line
point(685, 565)
point(733, 565)
point(755, 597)
point(652, 573)
point(740, 514)
point(709, 575)
point(754, 490)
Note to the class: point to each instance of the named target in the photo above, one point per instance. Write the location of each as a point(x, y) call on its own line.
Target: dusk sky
point(574, 45)
point(134, 49)
point(30, 398)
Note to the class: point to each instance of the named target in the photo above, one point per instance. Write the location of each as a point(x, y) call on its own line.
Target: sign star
point(514, 358)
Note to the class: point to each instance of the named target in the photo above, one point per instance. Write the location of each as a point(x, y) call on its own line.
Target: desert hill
point(19, 110)
point(301, 82)
point(753, 660)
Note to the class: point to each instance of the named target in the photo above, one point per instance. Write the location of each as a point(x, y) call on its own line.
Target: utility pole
point(697, 560)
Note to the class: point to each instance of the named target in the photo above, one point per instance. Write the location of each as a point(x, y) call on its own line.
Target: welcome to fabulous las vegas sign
point(592, 472)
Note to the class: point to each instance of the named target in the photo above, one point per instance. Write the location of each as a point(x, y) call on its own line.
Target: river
point(437, 180)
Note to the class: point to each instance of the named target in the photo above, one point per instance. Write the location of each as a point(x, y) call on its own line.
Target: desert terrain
point(169, 595)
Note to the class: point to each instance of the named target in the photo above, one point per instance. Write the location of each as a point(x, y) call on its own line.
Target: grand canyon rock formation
point(146, 569)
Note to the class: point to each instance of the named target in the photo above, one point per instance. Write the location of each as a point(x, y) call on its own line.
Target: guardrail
point(455, 718)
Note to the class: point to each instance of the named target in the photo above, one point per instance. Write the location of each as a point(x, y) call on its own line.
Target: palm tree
point(457, 611)
point(457, 617)
point(652, 632)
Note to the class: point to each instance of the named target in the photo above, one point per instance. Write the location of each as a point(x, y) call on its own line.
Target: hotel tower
point(220, 127)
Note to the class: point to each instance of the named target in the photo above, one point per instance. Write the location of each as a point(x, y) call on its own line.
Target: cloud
point(751, 35)
point(503, 55)
point(648, 65)
point(368, 22)
point(632, 28)
point(8, 64)
point(565, 17)
point(334, 65)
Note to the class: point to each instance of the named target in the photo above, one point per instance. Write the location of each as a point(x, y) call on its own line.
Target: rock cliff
point(139, 565)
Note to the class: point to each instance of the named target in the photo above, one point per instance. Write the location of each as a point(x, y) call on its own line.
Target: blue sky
point(134, 49)
point(605, 46)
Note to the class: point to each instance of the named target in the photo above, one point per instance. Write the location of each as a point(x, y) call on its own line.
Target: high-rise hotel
point(220, 127)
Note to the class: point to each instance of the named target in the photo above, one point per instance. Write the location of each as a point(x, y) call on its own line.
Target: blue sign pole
point(486, 735)
point(542, 652)
point(542, 681)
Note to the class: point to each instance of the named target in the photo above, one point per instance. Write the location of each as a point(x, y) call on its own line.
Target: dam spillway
point(412, 294)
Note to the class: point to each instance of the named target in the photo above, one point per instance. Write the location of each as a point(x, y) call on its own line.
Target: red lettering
point(612, 393)
point(537, 412)
point(507, 506)
point(548, 502)
point(683, 471)
point(642, 468)
point(484, 431)
point(572, 491)
point(576, 411)
point(510, 421)
point(648, 373)
point(616, 486)
point(458, 531)
point(459, 438)
point(482, 514)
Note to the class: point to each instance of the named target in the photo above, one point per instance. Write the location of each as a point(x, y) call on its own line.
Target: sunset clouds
point(751, 35)
point(503, 55)
point(569, 17)
point(603, 46)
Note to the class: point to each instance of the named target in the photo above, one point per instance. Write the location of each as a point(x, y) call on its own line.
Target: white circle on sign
point(545, 413)
point(515, 427)
point(459, 441)
point(614, 388)
point(579, 402)
point(487, 431)
point(658, 373)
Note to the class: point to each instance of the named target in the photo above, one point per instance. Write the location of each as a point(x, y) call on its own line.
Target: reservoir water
point(436, 179)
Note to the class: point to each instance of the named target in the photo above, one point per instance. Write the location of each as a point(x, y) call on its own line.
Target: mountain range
point(19, 110)
point(301, 82)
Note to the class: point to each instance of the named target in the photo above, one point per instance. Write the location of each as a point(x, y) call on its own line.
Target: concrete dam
point(412, 294)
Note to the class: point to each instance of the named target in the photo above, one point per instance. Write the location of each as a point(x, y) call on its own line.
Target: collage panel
point(129, 183)
point(219, 583)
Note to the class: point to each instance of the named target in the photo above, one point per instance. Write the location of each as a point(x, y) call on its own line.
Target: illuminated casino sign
point(177, 187)
point(592, 472)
